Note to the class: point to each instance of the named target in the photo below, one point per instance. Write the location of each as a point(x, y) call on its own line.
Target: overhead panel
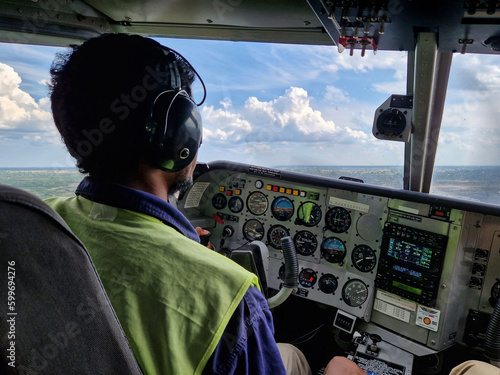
point(462, 26)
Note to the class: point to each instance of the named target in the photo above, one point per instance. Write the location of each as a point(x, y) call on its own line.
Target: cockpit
point(364, 132)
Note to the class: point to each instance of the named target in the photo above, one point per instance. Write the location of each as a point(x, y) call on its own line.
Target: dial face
point(364, 258)
point(305, 242)
point(391, 122)
point(275, 234)
point(338, 219)
point(333, 250)
point(282, 208)
point(309, 214)
point(259, 184)
point(219, 201)
point(307, 277)
point(257, 203)
point(253, 230)
point(354, 293)
point(328, 283)
point(235, 204)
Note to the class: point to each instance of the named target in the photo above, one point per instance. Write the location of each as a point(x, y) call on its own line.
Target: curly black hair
point(102, 92)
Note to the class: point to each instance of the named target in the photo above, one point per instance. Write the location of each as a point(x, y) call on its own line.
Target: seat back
point(55, 315)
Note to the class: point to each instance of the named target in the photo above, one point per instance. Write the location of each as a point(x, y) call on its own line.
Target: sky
point(273, 105)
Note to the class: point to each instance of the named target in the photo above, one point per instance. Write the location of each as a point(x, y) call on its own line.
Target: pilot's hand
point(343, 366)
point(204, 237)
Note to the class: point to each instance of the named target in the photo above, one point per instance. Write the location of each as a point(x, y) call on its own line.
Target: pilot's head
point(121, 101)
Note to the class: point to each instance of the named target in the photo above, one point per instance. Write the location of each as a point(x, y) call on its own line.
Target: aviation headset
point(174, 128)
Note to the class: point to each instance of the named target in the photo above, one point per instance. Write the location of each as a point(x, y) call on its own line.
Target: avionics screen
point(408, 288)
point(409, 252)
point(407, 271)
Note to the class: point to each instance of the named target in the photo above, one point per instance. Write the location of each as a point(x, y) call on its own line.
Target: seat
point(56, 316)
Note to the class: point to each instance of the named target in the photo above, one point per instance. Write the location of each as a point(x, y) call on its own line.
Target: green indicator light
point(314, 196)
point(407, 288)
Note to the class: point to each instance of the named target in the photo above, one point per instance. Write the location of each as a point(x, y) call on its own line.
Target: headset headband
point(175, 70)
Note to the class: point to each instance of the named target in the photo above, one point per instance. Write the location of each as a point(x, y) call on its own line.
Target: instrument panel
point(337, 253)
point(403, 261)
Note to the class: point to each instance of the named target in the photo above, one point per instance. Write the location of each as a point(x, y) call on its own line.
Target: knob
point(228, 231)
point(375, 340)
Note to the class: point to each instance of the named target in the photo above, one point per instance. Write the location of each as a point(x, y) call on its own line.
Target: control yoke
point(291, 273)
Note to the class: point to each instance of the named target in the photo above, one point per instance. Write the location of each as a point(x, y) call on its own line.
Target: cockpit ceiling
point(461, 26)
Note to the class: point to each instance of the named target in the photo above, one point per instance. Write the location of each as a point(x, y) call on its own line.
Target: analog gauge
point(219, 201)
point(275, 234)
point(354, 293)
point(364, 258)
point(338, 219)
point(282, 208)
point(259, 184)
point(257, 203)
point(309, 214)
point(253, 230)
point(391, 123)
point(307, 277)
point(333, 250)
point(235, 204)
point(305, 242)
point(328, 283)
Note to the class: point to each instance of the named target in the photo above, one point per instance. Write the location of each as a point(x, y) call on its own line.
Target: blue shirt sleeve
point(247, 345)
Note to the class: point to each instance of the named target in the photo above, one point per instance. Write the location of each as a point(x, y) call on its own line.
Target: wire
point(304, 338)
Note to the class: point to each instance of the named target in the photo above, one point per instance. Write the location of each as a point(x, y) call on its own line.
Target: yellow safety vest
point(173, 296)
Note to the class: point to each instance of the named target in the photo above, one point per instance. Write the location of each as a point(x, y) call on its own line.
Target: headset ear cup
point(175, 131)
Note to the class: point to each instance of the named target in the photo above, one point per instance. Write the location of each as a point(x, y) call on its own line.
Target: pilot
point(124, 108)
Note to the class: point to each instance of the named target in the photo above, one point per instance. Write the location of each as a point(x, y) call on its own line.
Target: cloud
point(336, 95)
point(290, 117)
point(396, 87)
point(19, 112)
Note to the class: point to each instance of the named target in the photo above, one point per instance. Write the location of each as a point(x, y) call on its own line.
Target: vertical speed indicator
point(363, 258)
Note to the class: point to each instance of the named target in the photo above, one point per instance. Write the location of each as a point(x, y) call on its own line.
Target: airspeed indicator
point(309, 214)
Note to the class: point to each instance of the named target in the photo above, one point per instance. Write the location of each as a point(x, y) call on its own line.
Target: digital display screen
point(409, 252)
point(407, 271)
point(408, 288)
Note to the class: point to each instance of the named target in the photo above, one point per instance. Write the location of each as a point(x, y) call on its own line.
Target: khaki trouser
point(294, 360)
point(475, 368)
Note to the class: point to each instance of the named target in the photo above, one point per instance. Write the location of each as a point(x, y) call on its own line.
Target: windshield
point(303, 108)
